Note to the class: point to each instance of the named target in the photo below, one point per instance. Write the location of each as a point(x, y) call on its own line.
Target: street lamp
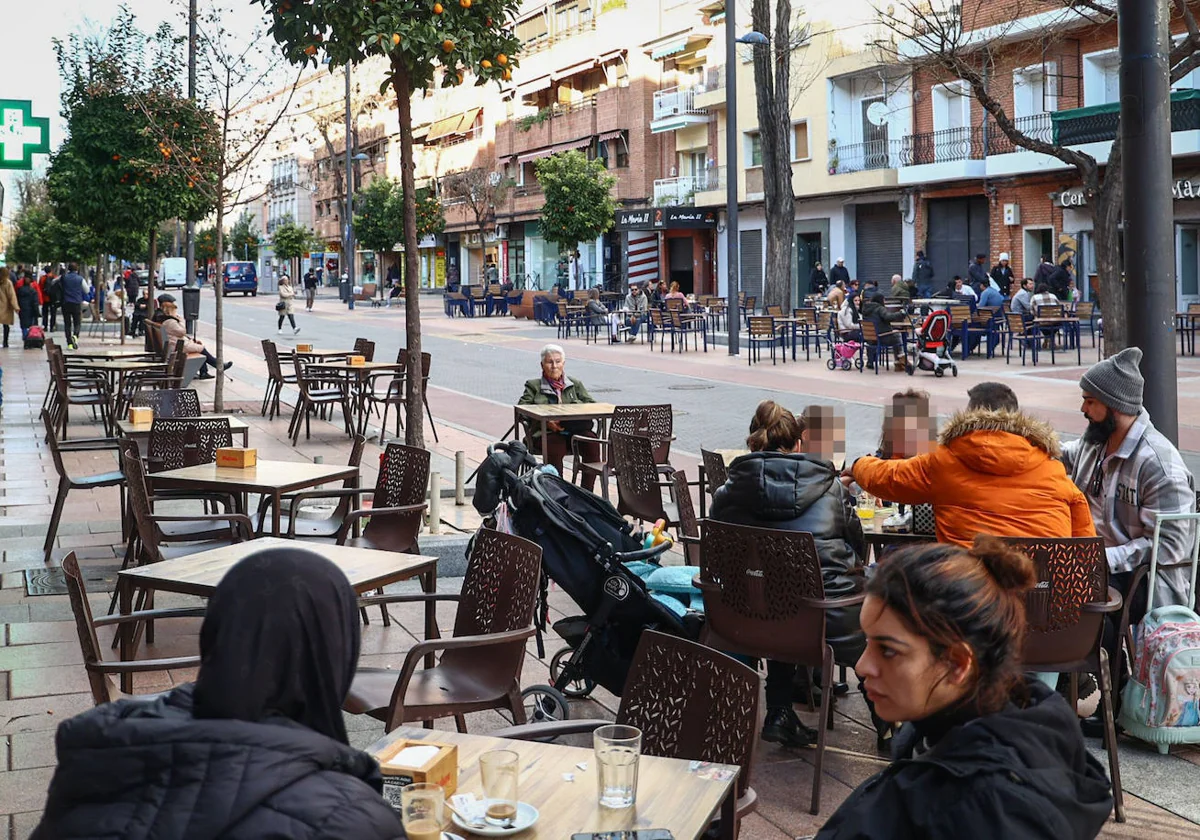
point(731, 156)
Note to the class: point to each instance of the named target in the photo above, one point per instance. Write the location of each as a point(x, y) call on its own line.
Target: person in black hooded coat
point(776, 486)
point(256, 747)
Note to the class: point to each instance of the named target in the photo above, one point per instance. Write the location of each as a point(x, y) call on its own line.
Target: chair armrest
point(1111, 606)
point(377, 600)
point(234, 519)
point(146, 615)
point(363, 513)
point(138, 665)
point(684, 538)
point(834, 603)
point(549, 729)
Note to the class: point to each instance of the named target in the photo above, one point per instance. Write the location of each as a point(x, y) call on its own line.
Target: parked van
point(239, 277)
point(172, 273)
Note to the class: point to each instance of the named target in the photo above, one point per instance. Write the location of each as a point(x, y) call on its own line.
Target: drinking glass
point(498, 769)
point(421, 810)
point(617, 750)
point(866, 505)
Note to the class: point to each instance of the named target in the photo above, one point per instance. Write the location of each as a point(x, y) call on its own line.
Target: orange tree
point(428, 43)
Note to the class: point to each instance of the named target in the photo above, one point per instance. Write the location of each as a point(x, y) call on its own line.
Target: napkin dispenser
point(304, 348)
point(141, 415)
point(236, 457)
point(357, 361)
point(406, 762)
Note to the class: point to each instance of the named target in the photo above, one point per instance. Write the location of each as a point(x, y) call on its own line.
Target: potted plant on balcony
point(833, 157)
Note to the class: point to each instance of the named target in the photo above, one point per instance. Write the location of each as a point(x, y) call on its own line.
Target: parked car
point(172, 273)
point(240, 277)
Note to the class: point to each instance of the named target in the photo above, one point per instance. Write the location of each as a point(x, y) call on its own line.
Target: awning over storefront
point(420, 132)
point(611, 55)
point(677, 46)
point(457, 124)
point(547, 151)
point(605, 136)
point(573, 69)
point(533, 86)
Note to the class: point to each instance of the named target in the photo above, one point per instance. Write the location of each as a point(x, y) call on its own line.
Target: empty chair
point(655, 421)
point(276, 378)
point(317, 393)
point(296, 524)
point(426, 364)
point(68, 482)
point(169, 402)
point(640, 483)
point(364, 347)
point(715, 472)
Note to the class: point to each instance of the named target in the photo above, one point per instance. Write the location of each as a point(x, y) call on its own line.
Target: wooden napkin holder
point(141, 415)
point(357, 361)
point(441, 769)
point(237, 457)
point(304, 348)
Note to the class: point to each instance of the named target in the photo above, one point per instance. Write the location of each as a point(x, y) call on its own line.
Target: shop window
point(800, 141)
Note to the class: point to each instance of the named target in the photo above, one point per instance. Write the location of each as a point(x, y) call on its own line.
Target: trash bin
point(191, 308)
point(345, 292)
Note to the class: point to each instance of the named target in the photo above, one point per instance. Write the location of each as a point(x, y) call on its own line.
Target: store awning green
point(668, 50)
point(1072, 126)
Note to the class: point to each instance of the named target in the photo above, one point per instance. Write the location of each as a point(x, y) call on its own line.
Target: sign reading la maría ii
point(1184, 189)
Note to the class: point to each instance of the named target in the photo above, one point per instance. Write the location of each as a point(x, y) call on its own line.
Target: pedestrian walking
point(51, 299)
point(310, 289)
point(818, 282)
point(8, 303)
point(1002, 274)
point(287, 295)
point(28, 303)
point(73, 290)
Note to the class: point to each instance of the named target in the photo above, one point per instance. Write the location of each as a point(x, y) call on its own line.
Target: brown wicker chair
point(690, 702)
point(1065, 624)
point(715, 473)
point(68, 482)
point(169, 402)
point(689, 525)
point(426, 364)
point(655, 421)
point(276, 378)
point(639, 481)
point(481, 663)
point(764, 597)
point(364, 347)
point(98, 671)
point(317, 393)
point(324, 528)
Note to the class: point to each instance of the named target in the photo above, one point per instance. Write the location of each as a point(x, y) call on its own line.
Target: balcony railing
point(1100, 123)
point(862, 157)
point(681, 190)
point(946, 146)
point(675, 101)
point(1036, 126)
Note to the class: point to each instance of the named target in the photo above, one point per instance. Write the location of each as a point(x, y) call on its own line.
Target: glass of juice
point(866, 505)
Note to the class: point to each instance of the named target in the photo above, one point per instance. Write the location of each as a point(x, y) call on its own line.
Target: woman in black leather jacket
point(778, 486)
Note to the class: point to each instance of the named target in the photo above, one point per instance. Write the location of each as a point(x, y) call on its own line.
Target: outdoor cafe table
point(356, 376)
point(1186, 323)
point(1070, 327)
point(270, 478)
point(198, 574)
point(141, 431)
point(543, 415)
point(109, 353)
point(678, 795)
point(114, 370)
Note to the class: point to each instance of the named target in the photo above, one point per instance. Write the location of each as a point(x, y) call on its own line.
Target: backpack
point(35, 339)
point(1161, 703)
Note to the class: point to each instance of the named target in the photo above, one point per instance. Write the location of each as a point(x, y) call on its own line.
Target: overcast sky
point(29, 70)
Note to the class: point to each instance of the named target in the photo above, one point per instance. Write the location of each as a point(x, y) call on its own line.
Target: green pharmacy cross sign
point(22, 135)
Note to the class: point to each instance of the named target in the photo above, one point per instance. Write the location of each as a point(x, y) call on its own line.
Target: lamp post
point(731, 162)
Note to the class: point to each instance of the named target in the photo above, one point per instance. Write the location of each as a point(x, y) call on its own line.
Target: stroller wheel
point(544, 703)
point(831, 364)
point(858, 363)
point(912, 367)
point(845, 364)
point(954, 369)
point(580, 686)
point(939, 372)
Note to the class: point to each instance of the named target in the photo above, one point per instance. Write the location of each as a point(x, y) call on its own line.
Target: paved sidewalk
point(42, 680)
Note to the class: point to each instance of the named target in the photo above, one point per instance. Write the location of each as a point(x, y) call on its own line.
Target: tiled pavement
point(42, 680)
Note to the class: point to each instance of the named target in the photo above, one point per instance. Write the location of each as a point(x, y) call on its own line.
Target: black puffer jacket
point(796, 492)
point(151, 771)
point(1022, 772)
point(878, 314)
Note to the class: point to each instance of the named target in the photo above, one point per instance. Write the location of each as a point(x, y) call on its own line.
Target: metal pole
point(190, 231)
point(1149, 226)
point(435, 502)
point(733, 312)
point(348, 245)
point(460, 475)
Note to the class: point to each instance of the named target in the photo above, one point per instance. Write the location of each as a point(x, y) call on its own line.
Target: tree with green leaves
point(243, 239)
point(427, 43)
point(206, 246)
point(290, 242)
point(379, 222)
point(579, 204)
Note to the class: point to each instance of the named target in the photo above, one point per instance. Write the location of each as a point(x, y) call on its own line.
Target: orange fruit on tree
point(485, 64)
point(466, 4)
point(502, 59)
point(396, 39)
point(508, 75)
point(311, 49)
point(437, 8)
point(448, 45)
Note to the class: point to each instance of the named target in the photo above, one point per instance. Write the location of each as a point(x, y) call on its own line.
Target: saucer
point(527, 815)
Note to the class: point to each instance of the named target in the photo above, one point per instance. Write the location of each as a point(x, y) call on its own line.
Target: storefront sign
point(657, 218)
point(1184, 189)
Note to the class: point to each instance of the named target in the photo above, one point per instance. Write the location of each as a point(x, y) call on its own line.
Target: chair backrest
point(750, 303)
point(169, 402)
point(958, 314)
point(1193, 308)
point(364, 347)
point(139, 499)
point(155, 333)
point(1016, 323)
point(426, 362)
point(761, 327)
point(271, 354)
point(403, 480)
point(756, 583)
point(805, 317)
point(715, 472)
point(656, 318)
point(1085, 308)
point(638, 492)
point(1052, 310)
point(499, 594)
point(774, 311)
point(655, 421)
point(674, 304)
point(177, 442)
point(689, 525)
point(869, 334)
point(692, 702)
point(103, 690)
point(1071, 572)
point(52, 442)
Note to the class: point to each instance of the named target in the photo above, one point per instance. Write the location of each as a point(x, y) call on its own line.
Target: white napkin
point(412, 756)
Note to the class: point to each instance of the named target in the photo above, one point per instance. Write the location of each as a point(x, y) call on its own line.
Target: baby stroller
point(843, 353)
point(585, 544)
point(931, 346)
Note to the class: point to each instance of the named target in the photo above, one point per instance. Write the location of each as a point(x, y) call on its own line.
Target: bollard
point(435, 502)
point(460, 484)
point(318, 459)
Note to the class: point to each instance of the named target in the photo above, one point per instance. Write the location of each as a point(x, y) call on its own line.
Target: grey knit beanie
point(1116, 381)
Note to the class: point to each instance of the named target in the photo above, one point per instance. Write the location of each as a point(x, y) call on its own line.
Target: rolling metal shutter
point(750, 249)
point(958, 229)
point(879, 248)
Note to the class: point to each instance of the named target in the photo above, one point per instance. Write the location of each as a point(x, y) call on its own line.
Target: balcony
point(866, 157)
point(675, 108)
point(1100, 123)
point(710, 93)
point(947, 155)
point(681, 191)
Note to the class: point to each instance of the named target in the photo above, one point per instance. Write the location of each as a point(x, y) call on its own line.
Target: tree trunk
point(772, 77)
point(219, 319)
point(1107, 199)
point(414, 433)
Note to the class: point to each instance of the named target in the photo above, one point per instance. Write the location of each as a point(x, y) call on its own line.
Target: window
point(1101, 78)
point(753, 149)
point(800, 141)
point(1035, 90)
point(532, 30)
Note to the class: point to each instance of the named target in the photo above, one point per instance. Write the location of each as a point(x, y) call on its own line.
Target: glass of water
point(617, 750)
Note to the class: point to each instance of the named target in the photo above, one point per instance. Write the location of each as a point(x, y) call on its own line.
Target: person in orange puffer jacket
point(996, 472)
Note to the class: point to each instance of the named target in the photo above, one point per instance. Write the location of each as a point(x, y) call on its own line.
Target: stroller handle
point(644, 553)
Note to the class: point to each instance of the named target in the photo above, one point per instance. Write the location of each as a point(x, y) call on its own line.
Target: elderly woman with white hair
point(555, 387)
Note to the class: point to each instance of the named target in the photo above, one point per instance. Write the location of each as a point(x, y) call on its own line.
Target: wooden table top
point(110, 353)
point(125, 427)
point(349, 367)
point(283, 476)
point(671, 793)
point(199, 574)
point(315, 352)
point(118, 365)
point(567, 411)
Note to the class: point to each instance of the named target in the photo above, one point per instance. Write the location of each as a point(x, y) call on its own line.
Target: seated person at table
point(596, 311)
point(554, 387)
point(777, 486)
point(849, 320)
point(899, 288)
point(1022, 300)
point(991, 296)
point(909, 430)
point(875, 311)
point(995, 472)
point(675, 294)
point(637, 304)
point(986, 753)
point(256, 747)
point(174, 330)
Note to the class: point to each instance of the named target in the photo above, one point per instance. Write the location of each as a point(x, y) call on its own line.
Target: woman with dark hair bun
point(985, 752)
